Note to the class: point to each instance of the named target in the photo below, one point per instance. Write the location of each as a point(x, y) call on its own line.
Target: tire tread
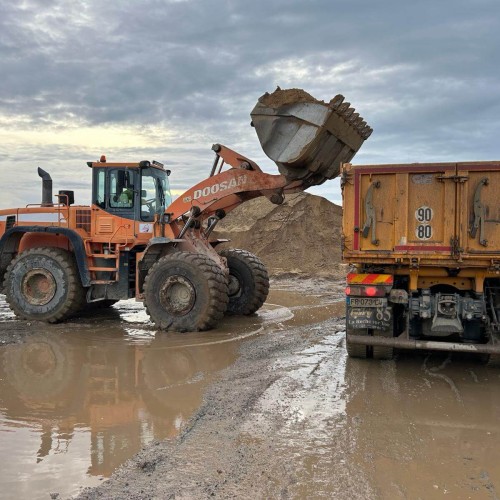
point(76, 292)
point(217, 285)
point(260, 278)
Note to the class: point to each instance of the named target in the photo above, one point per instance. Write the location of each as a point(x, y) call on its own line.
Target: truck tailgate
point(437, 213)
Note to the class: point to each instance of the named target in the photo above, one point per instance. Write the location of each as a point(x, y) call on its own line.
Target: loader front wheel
point(185, 292)
point(248, 282)
point(43, 284)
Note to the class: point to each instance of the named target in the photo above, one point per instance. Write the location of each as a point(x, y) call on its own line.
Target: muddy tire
point(383, 352)
point(185, 292)
point(248, 282)
point(42, 284)
point(356, 350)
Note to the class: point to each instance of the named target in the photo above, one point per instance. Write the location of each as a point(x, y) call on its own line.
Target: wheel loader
point(57, 258)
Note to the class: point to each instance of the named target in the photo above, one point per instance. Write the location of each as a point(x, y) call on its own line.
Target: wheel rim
point(39, 287)
point(177, 295)
point(234, 285)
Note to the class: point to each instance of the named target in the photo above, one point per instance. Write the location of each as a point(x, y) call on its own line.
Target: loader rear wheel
point(248, 282)
point(185, 292)
point(356, 350)
point(43, 284)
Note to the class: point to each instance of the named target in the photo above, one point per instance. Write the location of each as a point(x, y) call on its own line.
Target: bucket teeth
point(366, 132)
point(336, 101)
point(348, 113)
point(353, 118)
point(361, 125)
point(357, 122)
point(343, 107)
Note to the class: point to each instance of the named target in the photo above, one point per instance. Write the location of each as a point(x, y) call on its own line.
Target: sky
point(165, 79)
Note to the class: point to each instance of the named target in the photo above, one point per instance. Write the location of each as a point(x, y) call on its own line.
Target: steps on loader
point(100, 263)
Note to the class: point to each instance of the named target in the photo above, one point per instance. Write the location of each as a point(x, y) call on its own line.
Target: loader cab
point(136, 191)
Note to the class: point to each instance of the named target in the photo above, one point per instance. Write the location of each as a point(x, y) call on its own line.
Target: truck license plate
point(367, 301)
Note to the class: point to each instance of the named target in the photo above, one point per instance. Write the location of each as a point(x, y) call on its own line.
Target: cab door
point(115, 197)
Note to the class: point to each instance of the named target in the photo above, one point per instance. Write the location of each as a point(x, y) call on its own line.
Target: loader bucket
point(306, 138)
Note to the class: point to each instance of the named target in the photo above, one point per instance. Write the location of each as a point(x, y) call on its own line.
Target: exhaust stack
point(46, 188)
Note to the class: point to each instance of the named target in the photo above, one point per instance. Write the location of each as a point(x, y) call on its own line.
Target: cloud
point(166, 79)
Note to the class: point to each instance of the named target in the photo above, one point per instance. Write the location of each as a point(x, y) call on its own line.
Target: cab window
point(121, 189)
point(155, 193)
point(101, 189)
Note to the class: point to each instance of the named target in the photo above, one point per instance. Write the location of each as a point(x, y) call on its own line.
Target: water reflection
point(117, 395)
point(425, 425)
point(79, 399)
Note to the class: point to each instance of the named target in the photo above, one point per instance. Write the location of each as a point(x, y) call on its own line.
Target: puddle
point(78, 399)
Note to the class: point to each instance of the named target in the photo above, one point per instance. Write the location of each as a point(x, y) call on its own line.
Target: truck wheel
point(356, 350)
point(248, 282)
point(382, 352)
point(490, 360)
point(185, 292)
point(43, 284)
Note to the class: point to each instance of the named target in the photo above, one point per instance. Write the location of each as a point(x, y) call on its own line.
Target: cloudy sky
point(164, 79)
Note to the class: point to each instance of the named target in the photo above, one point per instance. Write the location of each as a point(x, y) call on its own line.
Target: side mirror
point(144, 193)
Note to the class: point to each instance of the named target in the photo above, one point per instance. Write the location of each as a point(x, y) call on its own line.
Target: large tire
point(383, 352)
point(43, 284)
point(248, 282)
point(185, 292)
point(356, 350)
point(491, 360)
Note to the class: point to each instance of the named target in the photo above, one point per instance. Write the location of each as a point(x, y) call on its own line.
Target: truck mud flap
point(378, 318)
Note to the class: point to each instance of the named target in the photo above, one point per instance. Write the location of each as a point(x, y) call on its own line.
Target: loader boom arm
point(241, 180)
point(308, 140)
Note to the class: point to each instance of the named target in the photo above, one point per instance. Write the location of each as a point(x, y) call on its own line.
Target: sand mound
point(299, 237)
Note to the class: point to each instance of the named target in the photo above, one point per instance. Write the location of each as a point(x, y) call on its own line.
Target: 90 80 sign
point(423, 230)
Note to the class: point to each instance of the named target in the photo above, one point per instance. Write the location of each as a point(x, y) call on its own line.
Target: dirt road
point(268, 407)
point(293, 418)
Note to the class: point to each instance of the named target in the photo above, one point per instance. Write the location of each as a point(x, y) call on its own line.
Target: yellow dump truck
point(423, 242)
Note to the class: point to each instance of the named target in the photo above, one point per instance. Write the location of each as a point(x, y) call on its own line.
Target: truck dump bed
point(433, 214)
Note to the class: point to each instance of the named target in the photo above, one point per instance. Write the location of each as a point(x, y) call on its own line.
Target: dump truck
point(57, 258)
point(423, 243)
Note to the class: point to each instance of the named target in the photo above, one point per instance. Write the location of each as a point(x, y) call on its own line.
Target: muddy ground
point(275, 410)
point(293, 418)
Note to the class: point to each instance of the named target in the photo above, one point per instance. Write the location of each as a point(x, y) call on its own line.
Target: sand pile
point(299, 237)
point(287, 96)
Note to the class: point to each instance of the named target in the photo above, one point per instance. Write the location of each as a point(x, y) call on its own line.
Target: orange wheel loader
point(132, 241)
